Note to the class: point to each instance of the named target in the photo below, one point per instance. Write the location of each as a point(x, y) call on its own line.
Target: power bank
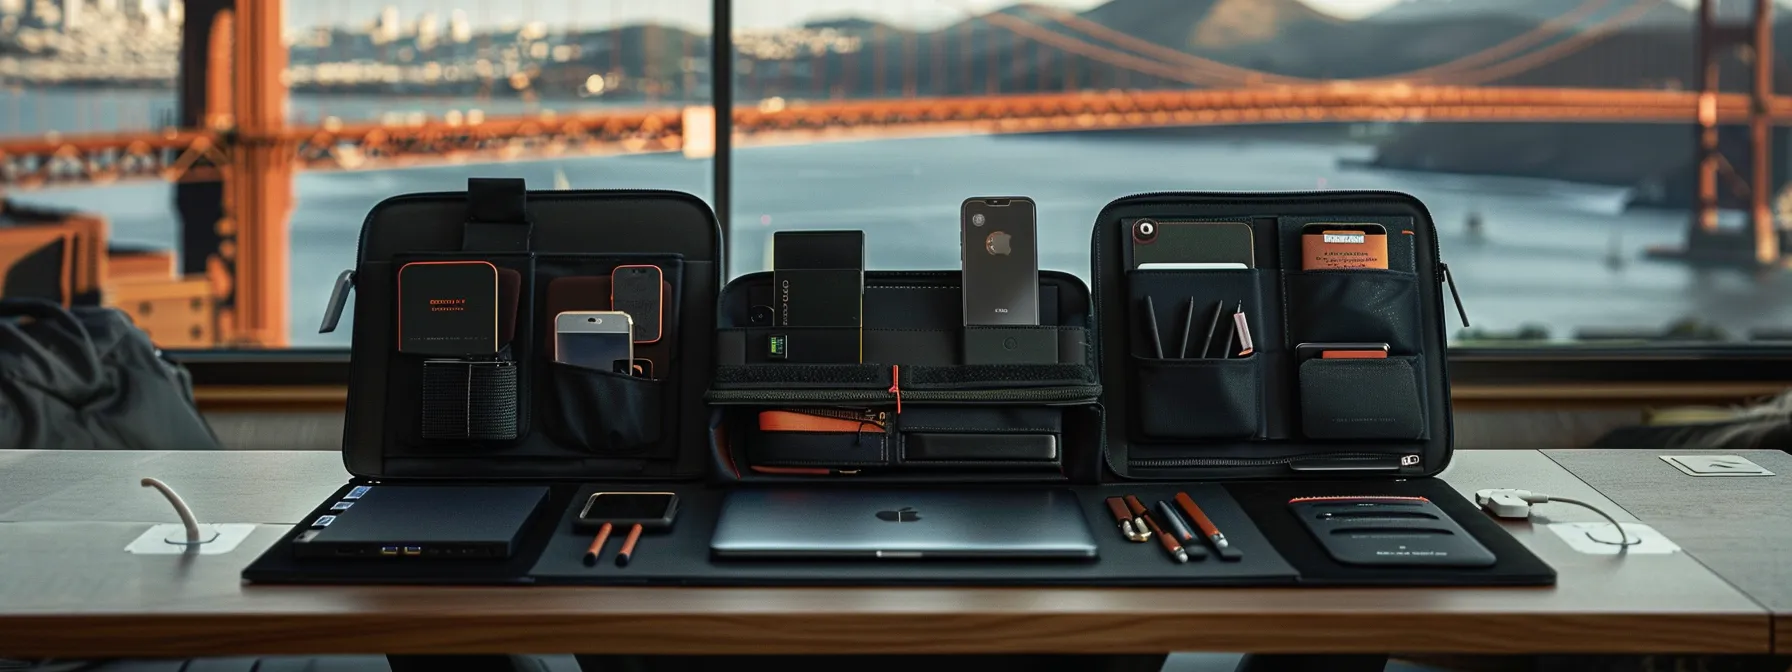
point(818, 278)
point(448, 308)
point(423, 521)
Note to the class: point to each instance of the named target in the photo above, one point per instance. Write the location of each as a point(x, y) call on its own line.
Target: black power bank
point(448, 308)
point(421, 521)
point(818, 278)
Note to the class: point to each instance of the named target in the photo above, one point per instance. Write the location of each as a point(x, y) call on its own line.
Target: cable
point(1514, 503)
point(1623, 537)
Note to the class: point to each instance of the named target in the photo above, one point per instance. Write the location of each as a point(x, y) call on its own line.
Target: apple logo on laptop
point(999, 243)
point(906, 514)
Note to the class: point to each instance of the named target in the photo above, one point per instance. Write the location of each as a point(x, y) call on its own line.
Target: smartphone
point(1204, 245)
point(999, 253)
point(636, 290)
point(595, 339)
point(1306, 351)
point(650, 510)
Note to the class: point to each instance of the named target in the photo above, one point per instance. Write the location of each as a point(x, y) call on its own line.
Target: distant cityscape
point(135, 43)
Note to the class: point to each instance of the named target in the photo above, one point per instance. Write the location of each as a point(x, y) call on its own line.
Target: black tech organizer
point(920, 414)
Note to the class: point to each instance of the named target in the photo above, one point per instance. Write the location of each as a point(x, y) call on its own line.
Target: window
point(363, 81)
point(1555, 145)
point(1552, 143)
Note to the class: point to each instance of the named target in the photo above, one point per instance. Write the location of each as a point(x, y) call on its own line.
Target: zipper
point(1081, 394)
point(1333, 462)
point(345, 283)
point(803, 471)
point(896, 385)
point(1450, 281)
point(862, 416)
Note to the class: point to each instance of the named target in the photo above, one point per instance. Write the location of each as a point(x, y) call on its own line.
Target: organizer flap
point(1186, 399)
point(429, 408)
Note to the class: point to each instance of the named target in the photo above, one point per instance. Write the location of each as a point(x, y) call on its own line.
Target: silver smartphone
point(999, 253)
point(595, 339)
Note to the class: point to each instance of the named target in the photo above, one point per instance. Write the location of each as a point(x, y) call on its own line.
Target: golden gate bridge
point(236, 151)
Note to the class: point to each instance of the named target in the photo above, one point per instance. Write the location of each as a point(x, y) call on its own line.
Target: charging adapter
point(1515, 503)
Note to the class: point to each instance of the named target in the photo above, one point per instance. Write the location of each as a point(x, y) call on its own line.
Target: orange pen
point(597, 545)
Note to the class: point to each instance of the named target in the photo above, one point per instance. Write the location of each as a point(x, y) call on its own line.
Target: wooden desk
point(66, 589)
point(1736, 526)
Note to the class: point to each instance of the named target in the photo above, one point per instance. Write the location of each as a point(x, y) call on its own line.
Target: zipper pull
point(896, 385)
point(1450, 281)
point(345, 283)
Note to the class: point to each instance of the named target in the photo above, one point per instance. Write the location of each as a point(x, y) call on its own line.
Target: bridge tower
point(234, 229)
point(1714, 38)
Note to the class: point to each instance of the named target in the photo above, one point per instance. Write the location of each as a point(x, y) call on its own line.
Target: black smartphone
point(999, 252)
point(650, 510)
point(635, 290)
point(1395, 531)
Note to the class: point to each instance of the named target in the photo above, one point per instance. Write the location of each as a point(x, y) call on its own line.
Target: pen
point(597, 545)
point(1243, 328)
point(1201, 520)
point(1157, 342)
point(1219, 310)
point(628, 546)
point(1195, 550)
point(1163, 538)
point(1124, 518)
point(1188, 328)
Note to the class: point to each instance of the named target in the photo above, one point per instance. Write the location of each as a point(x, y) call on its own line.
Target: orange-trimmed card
point(1329, 246)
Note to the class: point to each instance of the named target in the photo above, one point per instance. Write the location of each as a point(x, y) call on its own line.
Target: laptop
point(422, 521)
point(903, 524)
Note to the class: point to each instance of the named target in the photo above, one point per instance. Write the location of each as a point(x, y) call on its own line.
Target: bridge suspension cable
point(1540, 57)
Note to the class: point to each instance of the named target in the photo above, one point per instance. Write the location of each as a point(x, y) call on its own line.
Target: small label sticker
point(323, 521)
point(1346, 238)
point(357, 492)
point(341, 506)
point(779, 344)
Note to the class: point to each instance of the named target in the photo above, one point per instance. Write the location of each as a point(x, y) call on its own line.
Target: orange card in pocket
point(1343, 246)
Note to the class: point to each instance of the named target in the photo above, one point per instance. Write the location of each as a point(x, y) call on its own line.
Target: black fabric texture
point(1355, 306)
point(808, 376)
point(1362, 399)
point(1267, 505)
point(1198, 398)
point(607, 413)
point(996, 376)
point(87, 379)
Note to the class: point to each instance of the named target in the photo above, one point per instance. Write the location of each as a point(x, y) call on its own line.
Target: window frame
point(1481, 366)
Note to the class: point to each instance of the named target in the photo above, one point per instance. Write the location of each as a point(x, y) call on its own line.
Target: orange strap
point(789, 421)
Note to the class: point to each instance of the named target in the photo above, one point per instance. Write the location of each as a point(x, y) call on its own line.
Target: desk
point(1738, 527)
point(66, 589)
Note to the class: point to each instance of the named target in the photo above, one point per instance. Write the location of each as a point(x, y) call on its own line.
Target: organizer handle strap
point(497, 215)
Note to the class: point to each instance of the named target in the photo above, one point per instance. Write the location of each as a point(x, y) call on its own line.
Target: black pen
point(1157, 342)
point(1188, 329)
point(1219, 310)
point(1194, 549)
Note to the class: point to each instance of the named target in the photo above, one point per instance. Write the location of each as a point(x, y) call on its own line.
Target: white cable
point(1513, 503)
point(180, 508)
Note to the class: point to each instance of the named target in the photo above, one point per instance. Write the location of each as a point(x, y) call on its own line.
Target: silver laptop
point(783, 523)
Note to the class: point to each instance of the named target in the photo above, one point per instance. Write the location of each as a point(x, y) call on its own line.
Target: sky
point(749, 14)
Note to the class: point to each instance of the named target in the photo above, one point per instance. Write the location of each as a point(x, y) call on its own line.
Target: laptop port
point(413, 550)
point(388, 550)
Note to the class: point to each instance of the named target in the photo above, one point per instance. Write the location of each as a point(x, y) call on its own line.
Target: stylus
point(628, 546)
point(1140, 513)
point(1157, 341)
point(1188, 329)
point(1201, 520)
point(1242, 329)
point(597, 545)
point(1219, 309)
point(1195, 551)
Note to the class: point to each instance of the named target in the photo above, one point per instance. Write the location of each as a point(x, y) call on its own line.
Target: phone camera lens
point(760, 315)
point(1144, 231)
point(977, 219)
